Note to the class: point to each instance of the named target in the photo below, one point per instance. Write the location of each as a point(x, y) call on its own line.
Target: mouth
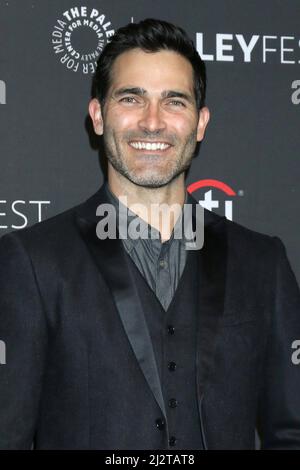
point(152, 146)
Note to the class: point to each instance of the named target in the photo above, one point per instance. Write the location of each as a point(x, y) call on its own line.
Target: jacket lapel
point(212, 275)
point(112, 262)
point(212, 285)
point(212, 266)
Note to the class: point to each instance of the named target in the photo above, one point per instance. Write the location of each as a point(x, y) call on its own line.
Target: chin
point(150, 181)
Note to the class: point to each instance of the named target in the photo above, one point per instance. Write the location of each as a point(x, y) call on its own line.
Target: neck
point(159, 207)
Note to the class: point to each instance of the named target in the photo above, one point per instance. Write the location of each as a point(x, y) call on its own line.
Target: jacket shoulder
point(249, 242)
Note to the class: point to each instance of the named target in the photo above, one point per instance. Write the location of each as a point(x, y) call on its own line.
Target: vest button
point(172, 366)
point(160, 424)
point(173, 403)
point(172, 441)
point(171, 329)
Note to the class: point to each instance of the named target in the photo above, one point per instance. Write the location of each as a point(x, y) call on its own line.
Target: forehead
point(153, 71)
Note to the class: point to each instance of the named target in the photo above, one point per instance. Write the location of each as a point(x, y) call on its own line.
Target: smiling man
point(151, 122)
point(138, 342)
point(150, 131)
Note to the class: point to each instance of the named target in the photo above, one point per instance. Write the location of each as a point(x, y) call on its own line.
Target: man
point(141, 343)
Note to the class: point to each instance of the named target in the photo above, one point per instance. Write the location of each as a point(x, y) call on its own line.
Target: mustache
point(154, 136)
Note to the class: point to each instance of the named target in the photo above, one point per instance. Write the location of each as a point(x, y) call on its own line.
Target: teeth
point(149, 146)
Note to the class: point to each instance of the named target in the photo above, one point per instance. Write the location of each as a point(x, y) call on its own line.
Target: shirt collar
point(144, 226)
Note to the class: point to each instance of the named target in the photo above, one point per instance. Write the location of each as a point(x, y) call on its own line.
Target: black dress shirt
point(161, 263)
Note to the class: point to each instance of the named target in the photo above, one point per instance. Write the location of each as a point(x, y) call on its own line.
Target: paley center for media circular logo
point(79, 37)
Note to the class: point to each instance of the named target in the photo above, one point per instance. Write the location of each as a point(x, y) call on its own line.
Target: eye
point(128, 99)
point(177, 103)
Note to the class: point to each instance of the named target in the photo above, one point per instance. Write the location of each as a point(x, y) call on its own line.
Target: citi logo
point(208, 202)
point(2, 92)
point(249, 48)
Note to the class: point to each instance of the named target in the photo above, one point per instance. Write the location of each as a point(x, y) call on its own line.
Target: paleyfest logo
point(79, 37)
point(207, 201)
point(261, 48)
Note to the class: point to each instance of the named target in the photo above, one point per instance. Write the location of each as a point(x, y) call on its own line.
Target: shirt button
point(171, 329)
point(160, 424)
point(172, 366)
point(162, 263)
point(173, 403)
point(172, 441)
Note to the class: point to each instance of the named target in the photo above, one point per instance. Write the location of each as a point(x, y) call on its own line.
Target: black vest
point(173, 335)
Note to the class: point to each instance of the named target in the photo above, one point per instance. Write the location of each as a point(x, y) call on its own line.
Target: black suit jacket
point(80, 371)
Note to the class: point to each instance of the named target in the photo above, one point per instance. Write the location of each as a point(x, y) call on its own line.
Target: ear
point(96, 115)
point(204, 116)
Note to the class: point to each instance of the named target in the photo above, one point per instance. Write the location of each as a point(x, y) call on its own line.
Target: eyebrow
point(165, 94)
point(177, 94)
point(130, 90)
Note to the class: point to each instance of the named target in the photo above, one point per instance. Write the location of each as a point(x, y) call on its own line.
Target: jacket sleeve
point(23, 345)
point(279, 406)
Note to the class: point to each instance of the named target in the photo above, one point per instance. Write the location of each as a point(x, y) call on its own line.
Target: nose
point(152, 119)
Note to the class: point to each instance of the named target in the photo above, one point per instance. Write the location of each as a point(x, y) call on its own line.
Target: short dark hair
point(150, 35)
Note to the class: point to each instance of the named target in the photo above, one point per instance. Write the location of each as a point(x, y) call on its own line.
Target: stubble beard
point(183, 160)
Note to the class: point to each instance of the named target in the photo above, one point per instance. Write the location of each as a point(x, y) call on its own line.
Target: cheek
point(184, 127)
point(120, 121)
